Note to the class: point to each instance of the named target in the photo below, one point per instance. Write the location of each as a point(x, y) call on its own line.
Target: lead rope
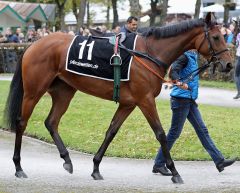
point(153, 71)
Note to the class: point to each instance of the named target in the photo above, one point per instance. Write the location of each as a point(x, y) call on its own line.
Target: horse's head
point(211, 44)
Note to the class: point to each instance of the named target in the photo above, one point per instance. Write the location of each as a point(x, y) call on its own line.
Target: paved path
point(42, 164)
point(211, 96)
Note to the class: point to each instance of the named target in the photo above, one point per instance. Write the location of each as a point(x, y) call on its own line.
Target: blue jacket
point(182, 71)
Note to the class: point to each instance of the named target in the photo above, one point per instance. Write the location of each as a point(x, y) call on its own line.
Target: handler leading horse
point(42, 69)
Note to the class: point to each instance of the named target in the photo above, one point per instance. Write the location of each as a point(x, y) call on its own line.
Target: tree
point(61, 13)
point(79, 9)
point(115, 13)
point(163, 13)
point(135, 8)
point(153, 12)
point(228, 5)
point(197, 9)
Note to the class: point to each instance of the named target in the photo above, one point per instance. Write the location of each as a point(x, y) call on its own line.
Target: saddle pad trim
point(92, 76)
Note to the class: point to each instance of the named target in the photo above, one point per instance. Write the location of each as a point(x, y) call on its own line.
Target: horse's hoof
point(68, 167)
point(20, 174)
point(177, 179)
point(97, 176)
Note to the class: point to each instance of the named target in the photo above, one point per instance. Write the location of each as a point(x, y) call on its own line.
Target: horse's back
point(47, 52)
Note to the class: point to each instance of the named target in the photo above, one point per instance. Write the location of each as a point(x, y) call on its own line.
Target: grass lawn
point(84, 125)
point(218, 84)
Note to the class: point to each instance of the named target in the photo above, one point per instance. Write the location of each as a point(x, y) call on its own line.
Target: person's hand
point(182, 85)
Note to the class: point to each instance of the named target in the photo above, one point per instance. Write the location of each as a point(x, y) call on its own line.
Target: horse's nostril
point(229, 66)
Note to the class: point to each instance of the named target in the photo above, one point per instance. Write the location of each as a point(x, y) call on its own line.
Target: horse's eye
point(216, 37)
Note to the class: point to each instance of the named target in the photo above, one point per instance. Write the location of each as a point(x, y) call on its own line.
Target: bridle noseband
point(214, 54)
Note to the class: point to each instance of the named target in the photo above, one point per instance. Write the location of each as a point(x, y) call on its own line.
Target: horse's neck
point(169, 49)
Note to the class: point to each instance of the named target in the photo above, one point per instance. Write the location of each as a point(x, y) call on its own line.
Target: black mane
point(173, 29)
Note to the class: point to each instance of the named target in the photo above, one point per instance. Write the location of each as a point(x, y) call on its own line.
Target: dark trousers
point(237, 74)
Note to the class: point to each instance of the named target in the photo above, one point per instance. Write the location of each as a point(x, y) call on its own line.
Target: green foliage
point(84, 125)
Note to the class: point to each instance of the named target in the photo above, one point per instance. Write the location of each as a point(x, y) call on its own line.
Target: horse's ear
point(210, 19)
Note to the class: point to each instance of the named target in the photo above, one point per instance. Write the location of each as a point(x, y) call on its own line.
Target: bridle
point(213, 60)
point(214, 54)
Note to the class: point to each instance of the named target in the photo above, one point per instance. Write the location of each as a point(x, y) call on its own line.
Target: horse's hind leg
point(119, 117)
point(148, 107)
point(61, 95)
point(33, 91)
point(28, 105)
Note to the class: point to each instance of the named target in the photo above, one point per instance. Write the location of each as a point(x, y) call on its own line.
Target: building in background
point(24, 15)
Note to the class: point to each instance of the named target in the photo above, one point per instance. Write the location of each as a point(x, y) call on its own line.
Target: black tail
point(13, 106)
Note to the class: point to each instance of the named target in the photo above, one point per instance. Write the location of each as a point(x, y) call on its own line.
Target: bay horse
point(42, 69)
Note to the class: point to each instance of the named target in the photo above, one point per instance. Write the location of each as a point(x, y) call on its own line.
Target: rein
point(151, 70)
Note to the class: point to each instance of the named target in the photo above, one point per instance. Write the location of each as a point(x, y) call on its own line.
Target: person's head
point(8, 31)
point(103, 29)
point(18, 30)
point(231, 27)
point(132, 23)
point(116, 29)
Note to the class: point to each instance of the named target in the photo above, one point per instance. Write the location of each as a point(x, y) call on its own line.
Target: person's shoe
point(225, 163)
point(237, 96)
point(162, 170)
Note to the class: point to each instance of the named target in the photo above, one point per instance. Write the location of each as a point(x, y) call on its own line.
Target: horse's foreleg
point(61, 95)
point(148, 107)
point(119, 117)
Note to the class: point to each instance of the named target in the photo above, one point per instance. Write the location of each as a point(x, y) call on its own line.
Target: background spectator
point(11, 37)
point(131, 26)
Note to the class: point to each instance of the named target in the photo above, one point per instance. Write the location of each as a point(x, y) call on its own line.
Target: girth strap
point(116, 61)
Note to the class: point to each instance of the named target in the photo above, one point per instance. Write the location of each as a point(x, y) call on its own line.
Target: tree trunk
point(88, 14)
point(74, 8)
point(108, 13)
point(61, 13)
point(153, 12)
point(197, 9)
point(81, 14)
point(62, 16)
point(135, 8)
point(163, 14)
point(226, 11)
point(115, 13)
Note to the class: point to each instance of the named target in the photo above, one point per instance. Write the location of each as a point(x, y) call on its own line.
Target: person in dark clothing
point(131, 26)
point(237, 67)
point(11, 38)
point(184, 106)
